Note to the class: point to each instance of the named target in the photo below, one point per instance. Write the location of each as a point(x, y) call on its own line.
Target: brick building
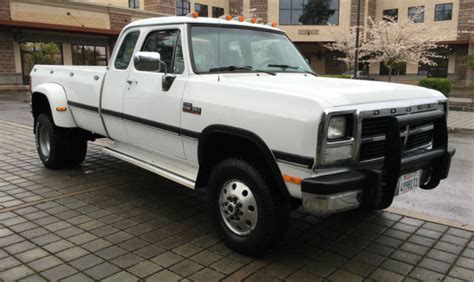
point(84, 31)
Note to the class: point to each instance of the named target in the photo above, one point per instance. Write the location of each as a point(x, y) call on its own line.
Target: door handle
point(130, 82)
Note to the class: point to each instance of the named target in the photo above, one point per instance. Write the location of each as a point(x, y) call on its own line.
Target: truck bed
point(82, 85)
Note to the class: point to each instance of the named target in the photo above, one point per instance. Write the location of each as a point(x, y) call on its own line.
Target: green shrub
point(443, 85)
point(336, 75)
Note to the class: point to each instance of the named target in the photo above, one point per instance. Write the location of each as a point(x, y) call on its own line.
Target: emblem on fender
point(189, 108)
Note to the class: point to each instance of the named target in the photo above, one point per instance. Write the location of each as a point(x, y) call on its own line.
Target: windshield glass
point(244, 50)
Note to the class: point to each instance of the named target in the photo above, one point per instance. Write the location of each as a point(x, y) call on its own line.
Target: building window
point(417, 14)
point(309, 12)
point(400, 69)
point(443, 12)
point(89, 55)
point(441, 67)
point(182, 7)
point(134, 4)
point(201, 9)
point(217, 12)
point(391, 14)
point(34, 53)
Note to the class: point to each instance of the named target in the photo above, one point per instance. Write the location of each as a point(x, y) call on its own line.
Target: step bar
point(151, 167)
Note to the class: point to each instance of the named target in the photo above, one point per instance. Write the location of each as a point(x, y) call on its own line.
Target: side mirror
point(147, 61)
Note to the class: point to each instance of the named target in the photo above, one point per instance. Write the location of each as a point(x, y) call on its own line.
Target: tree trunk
point(389, 73)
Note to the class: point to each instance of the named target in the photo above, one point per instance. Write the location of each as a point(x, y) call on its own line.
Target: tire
point(252, 222)
point(78, 148)
point(58, 147)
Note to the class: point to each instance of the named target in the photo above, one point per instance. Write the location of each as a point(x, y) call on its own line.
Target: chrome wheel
point(238, 207)
point(44, 141)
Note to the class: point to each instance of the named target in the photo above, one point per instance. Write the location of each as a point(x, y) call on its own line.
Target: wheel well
point(39, 104)
point(216, 145)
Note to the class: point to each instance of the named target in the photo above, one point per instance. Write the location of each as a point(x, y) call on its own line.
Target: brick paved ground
point(113, 221)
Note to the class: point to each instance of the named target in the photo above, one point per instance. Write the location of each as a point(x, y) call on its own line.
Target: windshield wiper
point(237, 68)
point(267, 72)
point(230, 68)
point(282, 66)
point(312, 73)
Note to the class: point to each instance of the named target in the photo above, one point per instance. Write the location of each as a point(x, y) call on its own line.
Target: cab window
point(168, 44)
point(124, 54)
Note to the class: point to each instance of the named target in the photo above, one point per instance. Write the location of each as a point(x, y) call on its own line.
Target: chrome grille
point(373, 137)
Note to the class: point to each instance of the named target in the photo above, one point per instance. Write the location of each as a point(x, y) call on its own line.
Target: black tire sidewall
point(44, 121)
point(262, 236)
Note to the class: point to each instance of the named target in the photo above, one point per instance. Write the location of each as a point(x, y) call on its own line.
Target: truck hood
point(335, 92)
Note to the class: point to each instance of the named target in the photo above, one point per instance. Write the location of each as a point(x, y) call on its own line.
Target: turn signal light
point(61, 109)
point(292, 179)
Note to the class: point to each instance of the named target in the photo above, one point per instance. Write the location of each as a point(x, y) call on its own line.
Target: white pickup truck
point(232, 107)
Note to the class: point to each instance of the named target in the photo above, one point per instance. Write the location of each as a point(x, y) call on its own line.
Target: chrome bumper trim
point(333, 203)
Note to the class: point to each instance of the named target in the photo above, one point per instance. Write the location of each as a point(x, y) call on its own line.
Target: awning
point(57, 27)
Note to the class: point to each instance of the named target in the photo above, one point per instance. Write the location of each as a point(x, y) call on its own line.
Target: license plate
point(409, 182)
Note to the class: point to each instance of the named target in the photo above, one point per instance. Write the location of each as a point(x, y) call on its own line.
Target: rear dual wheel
point(59, 147)
point(248, 215)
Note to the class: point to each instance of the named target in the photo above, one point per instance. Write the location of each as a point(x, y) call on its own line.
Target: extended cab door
point(151, 114)
point(116, 83)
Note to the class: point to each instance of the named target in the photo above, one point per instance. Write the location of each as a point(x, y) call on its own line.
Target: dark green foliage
point(336, 75)
point(443, 85)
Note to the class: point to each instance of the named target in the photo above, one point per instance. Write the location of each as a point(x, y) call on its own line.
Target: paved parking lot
point(110, 220)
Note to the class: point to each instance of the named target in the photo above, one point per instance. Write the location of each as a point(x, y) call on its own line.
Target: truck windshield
point(243, 50)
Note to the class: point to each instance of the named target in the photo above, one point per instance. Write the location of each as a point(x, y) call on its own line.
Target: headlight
point(338, 141)
point(337, 127)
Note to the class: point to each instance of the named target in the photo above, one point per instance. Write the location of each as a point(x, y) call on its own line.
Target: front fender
point(56, 96)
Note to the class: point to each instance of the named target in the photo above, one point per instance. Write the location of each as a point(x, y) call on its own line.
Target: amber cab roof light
point(193, 15)
point(251, 20)
point(226, 17)
point(239, 18)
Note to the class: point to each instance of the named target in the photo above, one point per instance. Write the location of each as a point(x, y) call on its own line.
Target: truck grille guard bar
point(396, 162)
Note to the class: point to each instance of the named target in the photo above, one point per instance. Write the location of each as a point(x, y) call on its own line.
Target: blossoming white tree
point(393, 42)
point(390, 42)
point(346, 44)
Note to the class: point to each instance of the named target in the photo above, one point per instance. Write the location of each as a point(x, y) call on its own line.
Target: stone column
point(161, 6)
point(469, 71)
point(5, 10)
point(236, 7)
point(465, 32)
point(8, 73)
point(118, 21)
point(261, 9)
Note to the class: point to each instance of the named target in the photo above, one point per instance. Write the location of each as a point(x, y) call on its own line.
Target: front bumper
point(375, 188)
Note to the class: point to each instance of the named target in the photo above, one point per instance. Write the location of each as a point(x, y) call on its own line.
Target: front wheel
point(249, 217)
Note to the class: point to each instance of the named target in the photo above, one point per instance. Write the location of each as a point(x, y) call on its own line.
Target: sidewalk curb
point(431, 218)
point(15, 88)
point(460, 130)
